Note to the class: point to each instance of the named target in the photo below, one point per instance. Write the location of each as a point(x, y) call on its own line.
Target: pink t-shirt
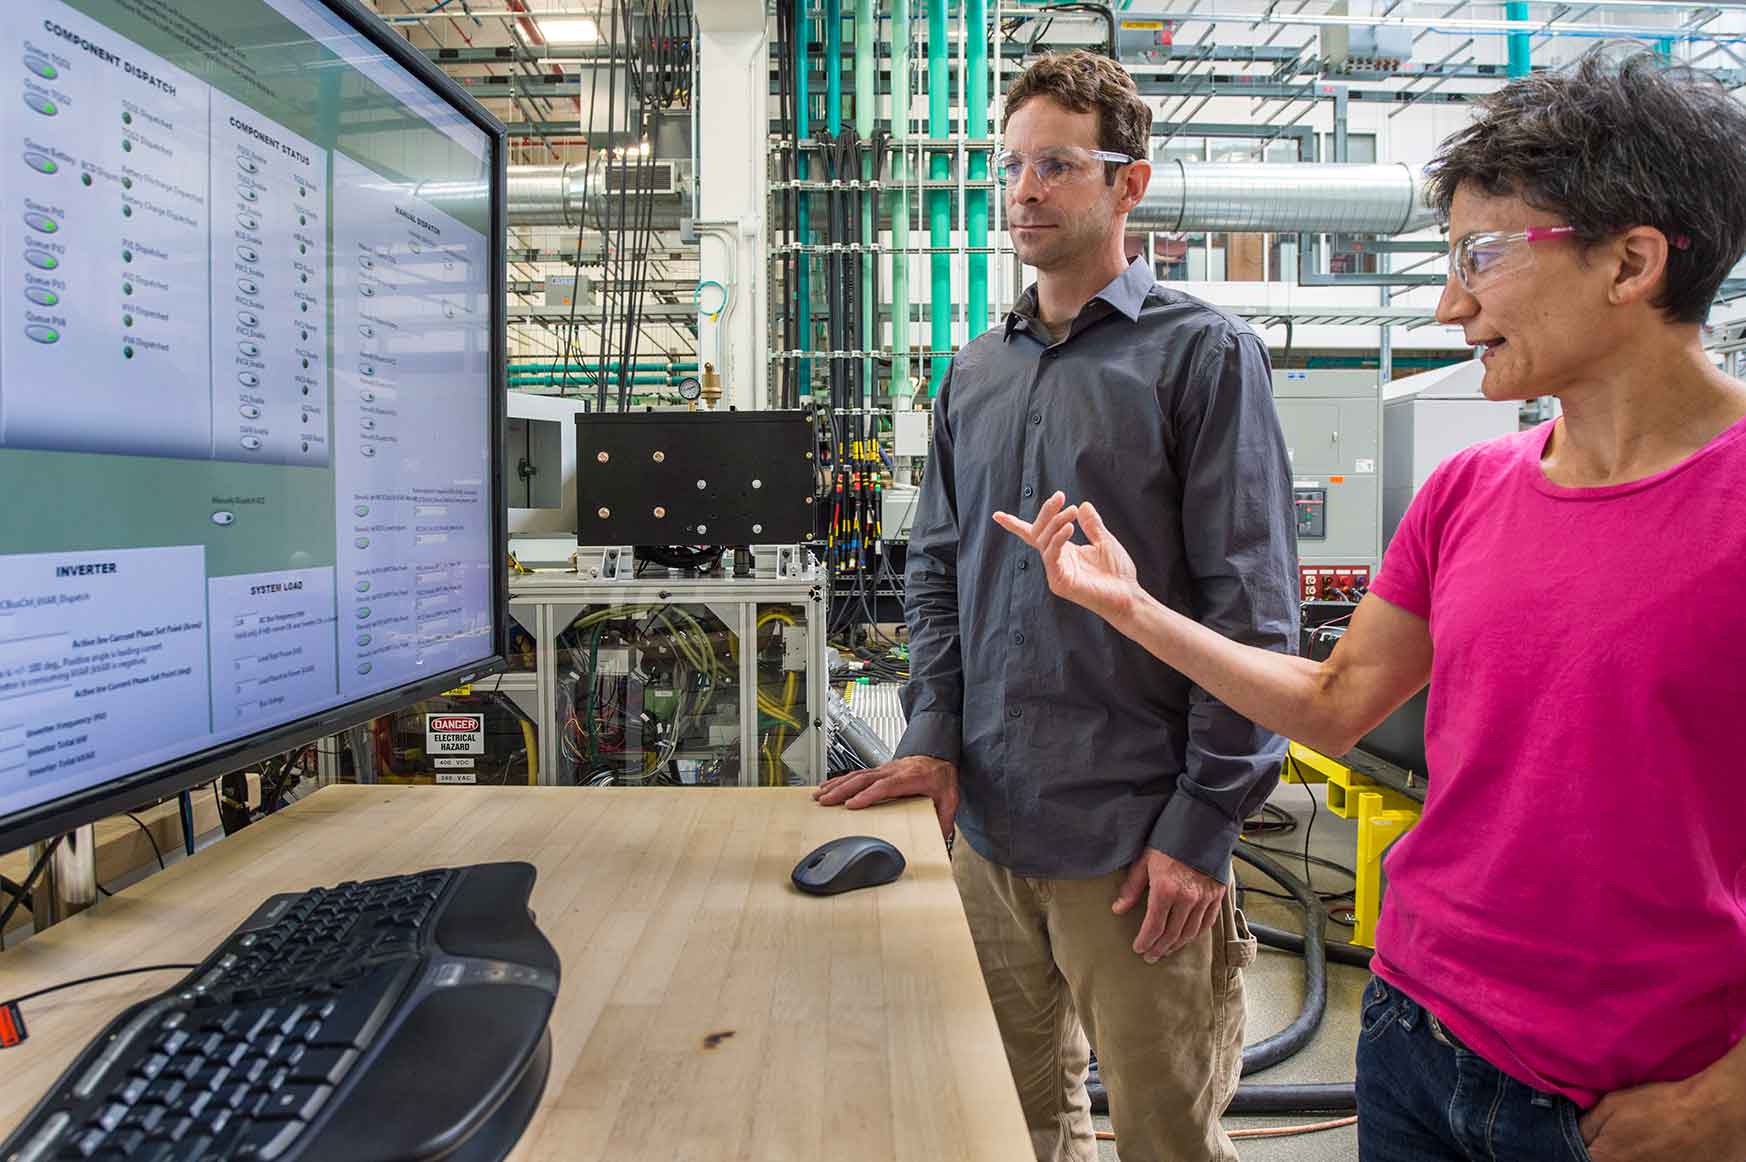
point(1573, 902)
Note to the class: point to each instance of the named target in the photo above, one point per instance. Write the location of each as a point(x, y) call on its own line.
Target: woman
point(1561, 960)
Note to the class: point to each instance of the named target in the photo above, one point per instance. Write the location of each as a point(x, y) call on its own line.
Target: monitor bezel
point(160, 781)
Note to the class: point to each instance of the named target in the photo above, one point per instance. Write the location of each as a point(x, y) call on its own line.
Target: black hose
point(1336, 1098)
point(1355, 955)
point(1271, 1051)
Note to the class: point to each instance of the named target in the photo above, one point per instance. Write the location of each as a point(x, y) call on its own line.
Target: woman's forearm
point(1291, 696)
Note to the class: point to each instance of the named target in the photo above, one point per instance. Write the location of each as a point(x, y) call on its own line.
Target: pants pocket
point(1380, 1006)
point(1573, 1132)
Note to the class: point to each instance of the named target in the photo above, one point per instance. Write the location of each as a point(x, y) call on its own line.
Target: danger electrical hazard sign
point(447, 735)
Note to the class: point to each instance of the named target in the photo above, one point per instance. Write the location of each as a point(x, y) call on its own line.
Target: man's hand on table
point(904, 778)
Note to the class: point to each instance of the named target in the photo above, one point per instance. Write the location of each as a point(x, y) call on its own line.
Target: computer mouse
point(842, 865)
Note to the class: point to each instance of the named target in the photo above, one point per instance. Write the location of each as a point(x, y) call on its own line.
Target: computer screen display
point(250, 383)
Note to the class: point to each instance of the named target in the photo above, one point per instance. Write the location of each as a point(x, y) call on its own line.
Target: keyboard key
point(183, 1126)
point(291, 1017)
point(301, 1102)
point(165, 1091)
point(197, 1104)
point(150, 1118)
point(86, 1144)
point(112, 1116)
point(260, 1023)
point(135, 1089)
point(127, 1142)
point(236, 1096)
point(172, 1044)
point(359, 1010)
point(324, 1066)
point(265, 1141)
point(151, 1066)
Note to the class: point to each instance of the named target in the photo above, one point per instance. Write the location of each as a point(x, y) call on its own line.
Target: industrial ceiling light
point(568, 31)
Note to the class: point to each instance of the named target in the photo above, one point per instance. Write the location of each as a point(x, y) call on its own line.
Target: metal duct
point(1276, 198)
point(551, 195)
point(1283, 198)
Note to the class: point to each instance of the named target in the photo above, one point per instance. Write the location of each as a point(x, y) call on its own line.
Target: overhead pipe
point(1280, 197)
point(1283, 198)
point(595, 365)
point(939, 200)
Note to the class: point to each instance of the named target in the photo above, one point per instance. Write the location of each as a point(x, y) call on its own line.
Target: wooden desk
point(861, 1028)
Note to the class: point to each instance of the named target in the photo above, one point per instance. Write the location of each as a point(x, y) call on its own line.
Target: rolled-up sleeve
point(933, 699)
point(1239, 534)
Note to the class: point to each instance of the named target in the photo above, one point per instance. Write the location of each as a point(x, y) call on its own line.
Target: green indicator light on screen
point(127, 352)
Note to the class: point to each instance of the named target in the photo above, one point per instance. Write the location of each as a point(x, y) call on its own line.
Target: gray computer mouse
point(842, 865)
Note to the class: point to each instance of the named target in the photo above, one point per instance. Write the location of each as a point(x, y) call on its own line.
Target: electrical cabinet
point(1332, 432)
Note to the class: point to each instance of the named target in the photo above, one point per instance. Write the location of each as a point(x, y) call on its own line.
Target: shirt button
point(1024, 563)
point(1029, 490)
point(1018, 639)
point(1013, 712)
point(1036, 417)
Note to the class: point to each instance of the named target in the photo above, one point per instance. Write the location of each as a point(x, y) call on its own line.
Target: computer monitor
point(251, 381)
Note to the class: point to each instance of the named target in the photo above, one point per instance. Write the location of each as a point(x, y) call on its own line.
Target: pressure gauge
point(690, 389)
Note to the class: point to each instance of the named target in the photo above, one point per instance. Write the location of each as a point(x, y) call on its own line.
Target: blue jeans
point(1425, 1097)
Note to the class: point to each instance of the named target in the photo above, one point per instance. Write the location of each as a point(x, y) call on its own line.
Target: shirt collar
point(1126, 293)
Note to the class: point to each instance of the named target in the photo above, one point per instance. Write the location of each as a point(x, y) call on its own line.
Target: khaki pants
point(1169, 1036)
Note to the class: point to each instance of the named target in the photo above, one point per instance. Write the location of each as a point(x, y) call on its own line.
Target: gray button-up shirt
point(1075, 747)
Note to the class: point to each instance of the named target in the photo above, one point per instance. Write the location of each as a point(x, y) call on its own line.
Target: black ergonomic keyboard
point(401, 1018)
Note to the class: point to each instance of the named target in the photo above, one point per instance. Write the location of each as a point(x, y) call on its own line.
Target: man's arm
point(926, 759)
point(1239, 539)
point(933, 699)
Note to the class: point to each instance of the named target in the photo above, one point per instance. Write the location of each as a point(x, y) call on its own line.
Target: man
point(1097, 793)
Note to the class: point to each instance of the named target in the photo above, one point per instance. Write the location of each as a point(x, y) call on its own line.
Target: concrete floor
point(1274, 990)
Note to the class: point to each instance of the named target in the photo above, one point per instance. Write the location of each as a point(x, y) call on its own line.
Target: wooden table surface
point(861, 1028)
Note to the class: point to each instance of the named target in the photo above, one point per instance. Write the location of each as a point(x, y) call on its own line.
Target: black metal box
point(694, 478)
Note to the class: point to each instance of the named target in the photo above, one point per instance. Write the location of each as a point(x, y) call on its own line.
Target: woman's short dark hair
point(1086, 82)
point(1617, 140)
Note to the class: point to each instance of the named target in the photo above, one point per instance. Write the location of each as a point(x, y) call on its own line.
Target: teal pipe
point(976, 208)
point(582, 365)
point(939, 201)
point(559, 380)
point(1520, 42)
point(803, 206)
point(834, 66)
point(901, 386)
point(865, 31)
